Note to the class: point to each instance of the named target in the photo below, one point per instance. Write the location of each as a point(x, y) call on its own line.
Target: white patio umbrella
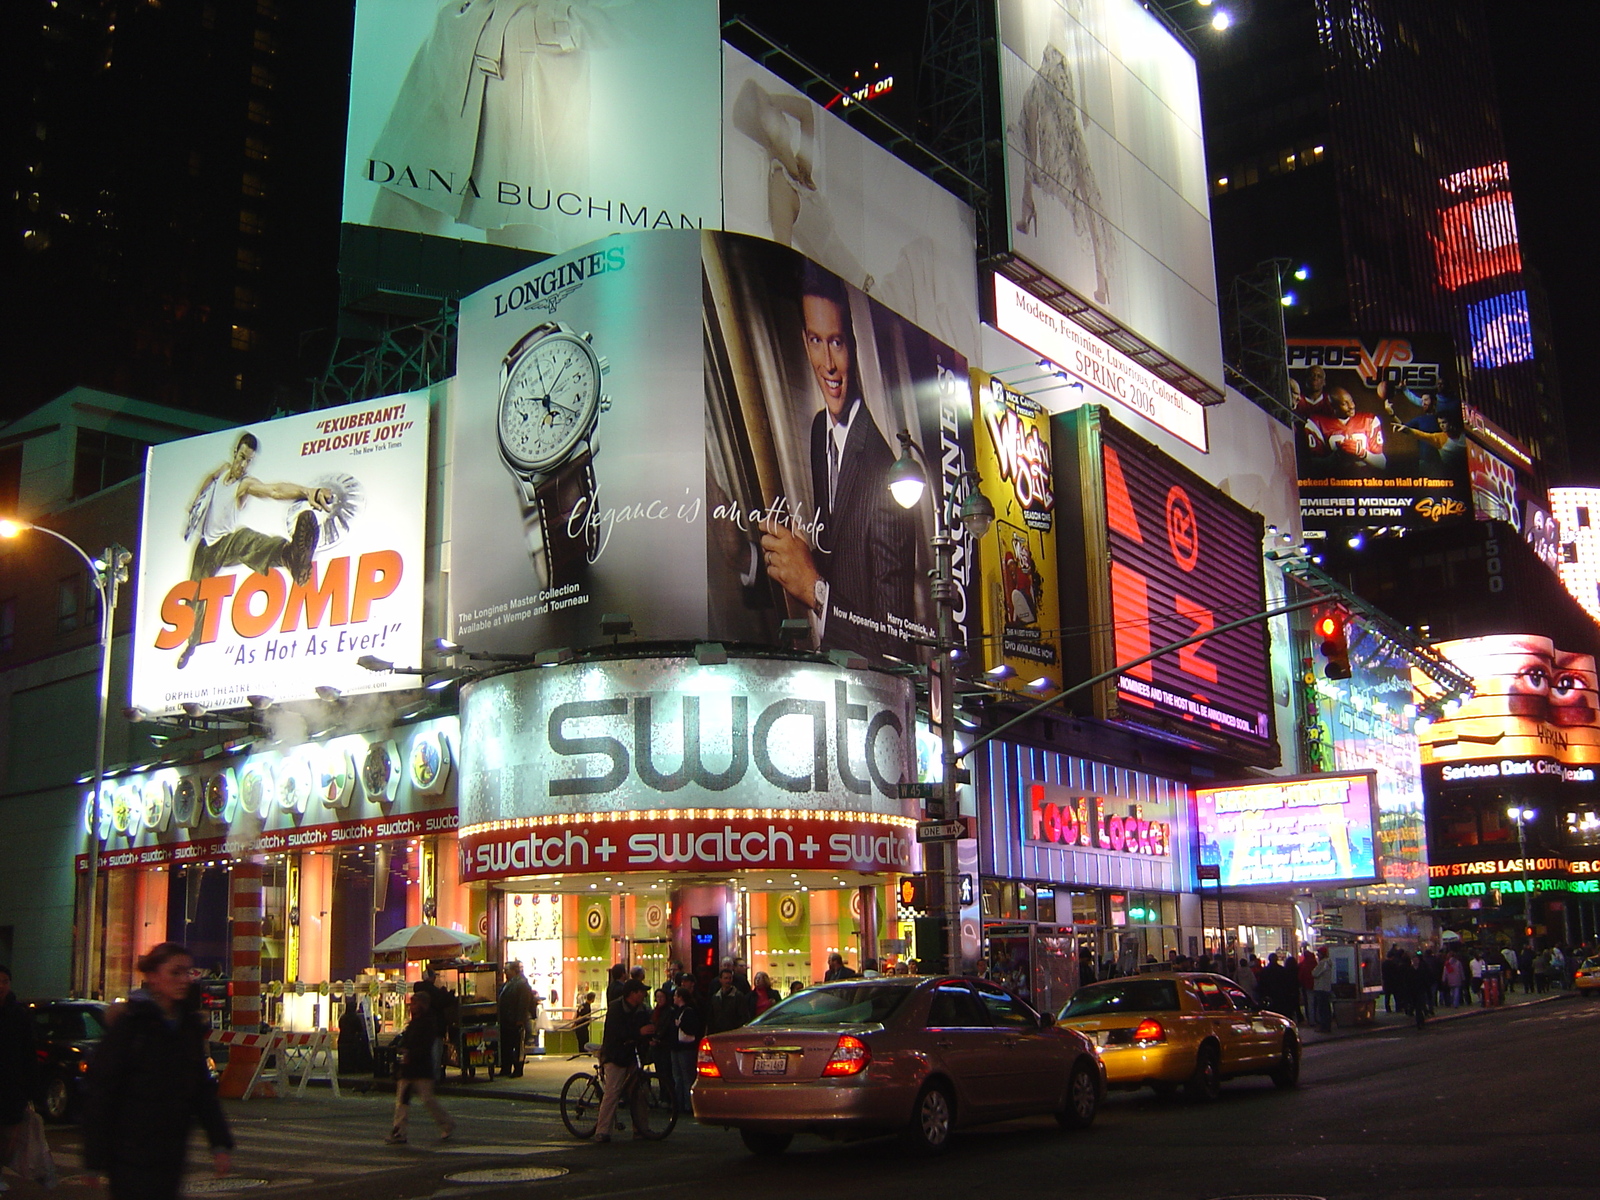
point(417, 942)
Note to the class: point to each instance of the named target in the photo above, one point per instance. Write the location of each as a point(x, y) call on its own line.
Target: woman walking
point(149, 1083)
point(416, 1071)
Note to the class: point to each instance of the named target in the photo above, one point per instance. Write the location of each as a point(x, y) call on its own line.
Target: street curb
point(1460, 1014)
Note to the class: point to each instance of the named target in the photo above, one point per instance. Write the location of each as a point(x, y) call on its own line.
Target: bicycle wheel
point(663, 1110)
point(580, 1105)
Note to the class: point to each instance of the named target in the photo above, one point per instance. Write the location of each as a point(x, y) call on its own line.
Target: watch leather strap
point(570, 489)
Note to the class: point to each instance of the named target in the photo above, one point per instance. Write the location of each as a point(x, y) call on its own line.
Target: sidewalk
point(1396, 1020)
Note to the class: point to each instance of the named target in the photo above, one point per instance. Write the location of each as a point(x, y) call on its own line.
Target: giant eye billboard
point(696, 430)
point(1534, 715)
point(274, 556)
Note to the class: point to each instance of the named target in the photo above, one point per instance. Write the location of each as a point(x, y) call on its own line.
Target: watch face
point(548, 401)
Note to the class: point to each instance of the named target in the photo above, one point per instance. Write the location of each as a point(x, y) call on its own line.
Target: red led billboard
point(1163, 556)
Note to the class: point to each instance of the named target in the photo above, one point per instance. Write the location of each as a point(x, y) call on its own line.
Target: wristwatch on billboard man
point(550, 406)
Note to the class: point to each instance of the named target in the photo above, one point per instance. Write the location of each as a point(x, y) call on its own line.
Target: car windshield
point(1124, 995)
point(836, 1006)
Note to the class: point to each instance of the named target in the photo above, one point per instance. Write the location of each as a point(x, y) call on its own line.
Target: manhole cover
point(506, 1175)
point(228, 1183)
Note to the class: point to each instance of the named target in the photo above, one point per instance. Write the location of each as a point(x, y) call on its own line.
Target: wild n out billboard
point(696, 430)
point(273, 556)
point(1383, 439)
point(1159, 556)
point(1021, 597)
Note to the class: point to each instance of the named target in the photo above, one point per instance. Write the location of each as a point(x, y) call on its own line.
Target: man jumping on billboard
point(223, 541)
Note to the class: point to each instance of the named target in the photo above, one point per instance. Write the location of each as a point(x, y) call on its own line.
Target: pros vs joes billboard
point(1162, 556)
point(274, 556)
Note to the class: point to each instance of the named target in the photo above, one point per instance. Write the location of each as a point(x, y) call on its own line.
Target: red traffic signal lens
point(1328, 627)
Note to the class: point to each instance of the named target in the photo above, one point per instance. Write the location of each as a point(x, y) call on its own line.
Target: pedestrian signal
point(1332, 629)
point(914, 891)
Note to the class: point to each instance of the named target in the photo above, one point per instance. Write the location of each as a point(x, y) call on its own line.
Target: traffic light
point(1332, 630)
point(914, 892)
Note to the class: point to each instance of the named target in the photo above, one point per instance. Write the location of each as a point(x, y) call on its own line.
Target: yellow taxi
point(1587, 977)
point(1183, 1029)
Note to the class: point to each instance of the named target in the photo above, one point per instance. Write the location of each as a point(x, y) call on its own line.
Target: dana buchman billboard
point(796, 173)
point(1021, 588)
point(1106, 169)
point(1159, 555)
point(1382, 437)
point(1290, 832)
point(273, 556)
point(533, 124)
point(696, 430)
point(1534, 715)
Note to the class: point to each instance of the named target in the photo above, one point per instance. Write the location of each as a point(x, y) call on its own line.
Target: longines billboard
point(663, 764)
point(696, 430)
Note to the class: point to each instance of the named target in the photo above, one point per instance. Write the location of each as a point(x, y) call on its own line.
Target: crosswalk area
point(322, 1142)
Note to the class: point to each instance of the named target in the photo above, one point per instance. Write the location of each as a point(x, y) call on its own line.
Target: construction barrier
point(309, 1055)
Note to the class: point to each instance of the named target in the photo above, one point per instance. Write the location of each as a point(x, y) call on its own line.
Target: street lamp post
point(1522, 816)
point(906, 485)
point(108, 571)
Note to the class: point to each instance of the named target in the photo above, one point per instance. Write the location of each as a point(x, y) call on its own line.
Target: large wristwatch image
point(546, 423)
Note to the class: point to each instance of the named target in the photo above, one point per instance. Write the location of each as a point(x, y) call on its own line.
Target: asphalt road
point(1499, 1106)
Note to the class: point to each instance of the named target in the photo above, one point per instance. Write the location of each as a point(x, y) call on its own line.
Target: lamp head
point(9, 528)
point(372, 662)
point(977, 513)
point(906, 480)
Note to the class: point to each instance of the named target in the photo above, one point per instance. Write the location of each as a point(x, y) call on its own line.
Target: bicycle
point(582, 1093)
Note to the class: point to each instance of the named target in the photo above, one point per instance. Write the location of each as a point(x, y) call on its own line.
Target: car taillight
point(1148, 1033)
point(704, 1064)
point(850, 1057)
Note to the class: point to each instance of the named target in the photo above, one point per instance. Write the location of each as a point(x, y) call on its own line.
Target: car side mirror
point(1046, 1020)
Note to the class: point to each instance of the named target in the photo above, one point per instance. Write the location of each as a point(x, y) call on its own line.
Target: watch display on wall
point(546, 424)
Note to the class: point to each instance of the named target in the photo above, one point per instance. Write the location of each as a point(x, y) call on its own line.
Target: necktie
point(833, 468)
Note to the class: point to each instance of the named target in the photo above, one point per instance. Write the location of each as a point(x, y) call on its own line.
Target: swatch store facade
point(283, 866)
point(1079, 861)
point(654, 810)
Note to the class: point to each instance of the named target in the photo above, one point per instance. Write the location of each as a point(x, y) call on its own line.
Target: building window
point(69, 604)
point(248, 260)
point(244, 299)
point(102, 459)
point(255, 148)
point(265, 42)
point(8, 625)
point(261, 77)
point(251, 185)
point(251, 222)
point(243, 338)
point(259, 113)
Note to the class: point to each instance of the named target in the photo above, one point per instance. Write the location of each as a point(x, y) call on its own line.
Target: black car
point(66, 1033)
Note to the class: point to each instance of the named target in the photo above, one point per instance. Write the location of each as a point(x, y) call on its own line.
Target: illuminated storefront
point(351, 838)
point(1081, 864)
point(654, 810)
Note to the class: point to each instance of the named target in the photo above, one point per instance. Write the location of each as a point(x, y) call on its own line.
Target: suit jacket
point(867, 550)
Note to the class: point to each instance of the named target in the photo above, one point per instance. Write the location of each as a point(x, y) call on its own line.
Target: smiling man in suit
point(863, 567)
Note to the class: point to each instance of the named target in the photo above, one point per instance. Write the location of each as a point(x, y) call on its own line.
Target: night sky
point(1549, 87)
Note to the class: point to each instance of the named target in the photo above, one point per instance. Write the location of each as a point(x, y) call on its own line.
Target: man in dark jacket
point(515, 1006)
point(148, 1084)
point(730, 1008)
point(624, 1046)
point(17, 1065)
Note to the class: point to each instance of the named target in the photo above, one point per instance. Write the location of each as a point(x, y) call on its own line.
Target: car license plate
point(771, 1064)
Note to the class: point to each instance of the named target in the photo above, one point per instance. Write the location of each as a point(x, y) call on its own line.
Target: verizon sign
point(1078, 352)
